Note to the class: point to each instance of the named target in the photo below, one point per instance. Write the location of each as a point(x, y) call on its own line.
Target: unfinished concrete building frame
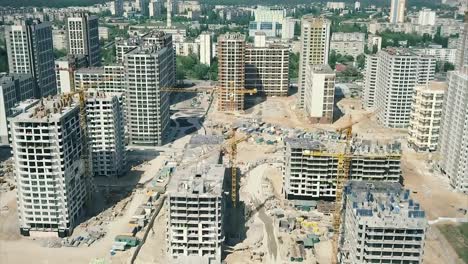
point(310, 167)
point(382, 224)
point(49, 171)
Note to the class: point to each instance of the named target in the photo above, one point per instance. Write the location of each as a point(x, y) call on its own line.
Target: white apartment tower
point(453, 145)
point(50, 176)
point(381, 224)
point(370, 79)
point(231, 71)
point(426, 17)
point(83, 37)
point(319, 93)
point(106, 132)
point(148, 69)
point(398, 72)
point(426, 115)
point(205, 48)
point(109, 78)
point(397, 11)
point(155, 8)
point(315, 46)
point(267, 67)
point(196, 204)
point(30, 51)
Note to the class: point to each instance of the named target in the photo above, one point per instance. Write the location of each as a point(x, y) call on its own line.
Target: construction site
point(255, 186)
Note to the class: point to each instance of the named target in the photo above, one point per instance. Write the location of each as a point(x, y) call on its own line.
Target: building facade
point(320, 93)
point(231, 71)
point(426, 115)
point(382, 224)
point(148, 69)
point(427, 17)
point(310, 167)
point(83, 37)
point(50, 175)
point(267, 68)
point(348, 43)
point(196, 203)
point(65, 69)
point(370, 80)
point(397, 11)
point(30, 50)
point(110, 78)
point(205, 48)
point(14, 88)
point(106, 132)
point(398, 72)
point(315, 46)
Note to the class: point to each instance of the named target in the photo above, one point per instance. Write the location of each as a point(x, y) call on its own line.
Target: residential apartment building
point(231, 71)
point(397, 11)
point(310, 166)
point(30, 51)
point(398, 72)
point(59, 39)
point(205, 48)
point(50, 177)
point(370, 80)
point(315, 46)
point(441, 54)
point(65, 69)
point(123, 46)
point(196, 203)
point(14, 88)
point(148, 69)
point(320, 93)
point(109, 78)
point(117, 8)
point(348, 43)
point(453, 143)
point(426, 17)
point(426, 115)
point(83, 37)
point(155, 8)
point(381, 224)
point(374, 42)
point(267, 68)
point(106, 132)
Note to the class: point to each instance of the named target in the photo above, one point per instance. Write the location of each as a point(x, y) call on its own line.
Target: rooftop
point(200, 171)
point(384, 204)
point(434, 86)
point(322, 68)
point(48, 109)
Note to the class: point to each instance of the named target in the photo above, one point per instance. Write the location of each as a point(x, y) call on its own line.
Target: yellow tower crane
point(231, 149)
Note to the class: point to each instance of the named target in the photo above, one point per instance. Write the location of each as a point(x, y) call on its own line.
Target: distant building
point(336, 5)
point(14, 88)
point(273, 22)
point(348, 43)
point(196, 204)
point(397, 11)
point(49, 200)
point(381, 213)
point(186, 48)
point(315, 38)
point(65, 68)
point(319, 93)
point(30, 51)
point(370, 80)
point(117, 8)
point(156, 8)
point(426, 115)
point(441, 54)
point(205, 48)
point(231, 71)
point(59, 39)
point(427, 17)
point(398, 72)
point(103, 33)
point(374, 41)
point(83, 37)
point(267, 67)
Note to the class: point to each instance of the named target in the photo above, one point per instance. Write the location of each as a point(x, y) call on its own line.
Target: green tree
point(294, 65)
point(361, 61)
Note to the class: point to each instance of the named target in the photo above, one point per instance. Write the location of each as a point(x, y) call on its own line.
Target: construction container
point(129, 240)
